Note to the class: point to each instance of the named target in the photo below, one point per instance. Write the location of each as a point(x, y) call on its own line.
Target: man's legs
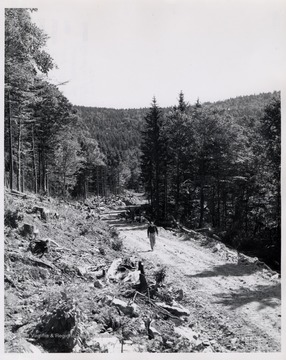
point(152, 240)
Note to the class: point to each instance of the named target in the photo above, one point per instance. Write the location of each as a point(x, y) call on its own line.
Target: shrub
point(114, 233)
point(109, 319)
point(117, 244)
point(101, 250)
point(59, 329)
point(160, 275)
point(11, 218)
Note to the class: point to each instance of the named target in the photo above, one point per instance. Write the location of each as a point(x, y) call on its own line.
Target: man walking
point(151, 233)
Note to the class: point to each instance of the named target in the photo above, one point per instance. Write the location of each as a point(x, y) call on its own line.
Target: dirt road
point(237, 304)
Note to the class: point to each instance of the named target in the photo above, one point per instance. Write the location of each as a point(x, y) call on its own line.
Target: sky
point(122, 53)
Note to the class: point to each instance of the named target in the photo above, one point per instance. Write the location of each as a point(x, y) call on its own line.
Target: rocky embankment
point(76, 281)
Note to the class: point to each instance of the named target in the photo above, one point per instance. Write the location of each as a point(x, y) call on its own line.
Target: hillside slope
point(99, 289)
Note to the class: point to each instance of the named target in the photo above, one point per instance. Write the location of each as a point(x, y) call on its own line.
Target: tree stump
point(28, 229)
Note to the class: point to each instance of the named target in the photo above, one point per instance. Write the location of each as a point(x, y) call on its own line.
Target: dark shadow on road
point(228, 269)
point(266, 296)
point(144, 251)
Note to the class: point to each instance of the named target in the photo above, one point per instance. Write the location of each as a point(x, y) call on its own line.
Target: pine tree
point(177, 139)
point(24, 59)
point(152, 156)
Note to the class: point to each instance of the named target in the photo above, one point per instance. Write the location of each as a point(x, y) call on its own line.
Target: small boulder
point(112, 273)
point(153, 328)
point(98, 284)
point(81, 270)
point(108, 343)
point(27, 347)
point(130, 310)
point(175, 309)
point(191, 335)
point(99, 274)
point(179, 295)
point(133, 277)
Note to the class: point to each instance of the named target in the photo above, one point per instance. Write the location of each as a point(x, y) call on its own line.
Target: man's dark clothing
point(152, 229)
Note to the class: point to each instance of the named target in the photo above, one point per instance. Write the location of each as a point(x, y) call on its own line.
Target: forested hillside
point(216, 167)
point(48, 148)
point(118, 133)
point(210, 166)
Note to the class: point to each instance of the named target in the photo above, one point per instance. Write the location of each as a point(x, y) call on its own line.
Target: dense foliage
point(47, 147)
point(211, 165)
point(217, 166)
point(118, 132)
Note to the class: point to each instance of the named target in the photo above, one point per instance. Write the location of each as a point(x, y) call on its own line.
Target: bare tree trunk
point(39, 169)
point(202, 204)
point(218, 203)
point(97, 181)
point(166, 194)
point(10, 142)
point(44, 174)
point(34, 161)
point(19, 156)
point(23, 178)
point(224, 209)
point(177, 188)
point(213, 207)
point(47, 182)
point(64, 186)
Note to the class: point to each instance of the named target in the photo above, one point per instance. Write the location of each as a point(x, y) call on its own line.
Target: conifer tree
point(24, 59)
point(152, 156)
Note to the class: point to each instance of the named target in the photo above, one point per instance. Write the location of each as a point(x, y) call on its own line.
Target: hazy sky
point(122, 53)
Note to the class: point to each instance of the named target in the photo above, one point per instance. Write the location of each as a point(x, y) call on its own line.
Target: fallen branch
point(160, 308)
point(60, 247)
point(27, 259)
point(40, 262)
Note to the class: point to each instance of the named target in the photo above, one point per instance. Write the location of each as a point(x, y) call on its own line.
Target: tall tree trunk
point(19, 155)
point(97, 181)
point(40, 170)
point(202, 204)
point(47, 183)
point(157, 201)
point(213, 207)
point(103, 182)
point(165, 193)
point(44, 172)
point(10, 142)
point(64, 186)
point(34, 161)
point(23, 177)
point(218, 203)
point(177, 188)
point(224, 209)
point(246, 210)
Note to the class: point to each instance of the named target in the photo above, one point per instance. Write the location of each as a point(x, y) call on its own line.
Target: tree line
point(218, 167)
point(47, 147)
point(118, 132)
point(211, 165)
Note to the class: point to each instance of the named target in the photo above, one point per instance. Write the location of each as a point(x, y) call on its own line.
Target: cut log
point(41, 262)
point(175, 309)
